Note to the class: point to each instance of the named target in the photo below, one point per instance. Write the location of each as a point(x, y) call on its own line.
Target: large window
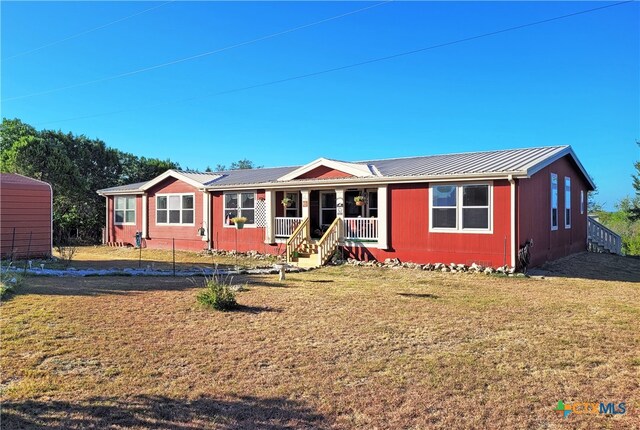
point(327, 207)
point(175, 209)
point(239, 204)
point(464, 208)
point(554, 201)
point(125, 210)
point(567, 202)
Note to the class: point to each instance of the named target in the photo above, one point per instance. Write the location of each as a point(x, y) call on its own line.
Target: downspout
point(513, 220)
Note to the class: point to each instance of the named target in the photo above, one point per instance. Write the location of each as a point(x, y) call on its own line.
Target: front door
point(327, 208)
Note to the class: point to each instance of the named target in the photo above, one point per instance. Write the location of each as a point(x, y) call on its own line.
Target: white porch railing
point(361, 229)
point(600, 236)
point(285, 226)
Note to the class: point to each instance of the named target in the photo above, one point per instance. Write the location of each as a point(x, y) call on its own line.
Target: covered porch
point(362, 213)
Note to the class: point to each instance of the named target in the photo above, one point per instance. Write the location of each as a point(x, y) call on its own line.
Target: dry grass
point(340, 347)
point(105, 257)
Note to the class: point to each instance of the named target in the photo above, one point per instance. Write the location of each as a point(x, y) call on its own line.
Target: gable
point(324, 172)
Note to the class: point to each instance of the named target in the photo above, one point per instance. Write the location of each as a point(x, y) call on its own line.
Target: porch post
point(305, 203)
point(145, 217)
point(340, 206)
point(269, 231)
point(383, 222)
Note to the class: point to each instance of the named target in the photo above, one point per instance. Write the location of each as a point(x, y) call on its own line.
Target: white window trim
point(567, 226)
point(173, 224)
point(554, 228)
point(581, 202)
point(368, 207)
point(296, 198)
point(135, 210)
point(224, 207)
point(458, 207)
point(322, 208)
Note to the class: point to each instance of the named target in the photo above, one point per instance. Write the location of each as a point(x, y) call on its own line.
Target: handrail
point(299, 235)
point(603, 236)
point(361, 228)
point(329, 241)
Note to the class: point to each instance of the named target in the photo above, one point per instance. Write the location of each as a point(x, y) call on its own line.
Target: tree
point(635, 210)
point(237, 165)
point(76, 167)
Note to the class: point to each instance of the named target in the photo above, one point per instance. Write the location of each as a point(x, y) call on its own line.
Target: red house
point(463, 208)
point(25, 216)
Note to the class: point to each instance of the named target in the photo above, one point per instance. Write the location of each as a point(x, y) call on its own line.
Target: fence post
point(28, 252)
point(13, 245)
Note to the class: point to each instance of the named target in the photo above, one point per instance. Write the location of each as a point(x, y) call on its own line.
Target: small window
point(125, 210)
point(581, 202)
point(554, 201)
point(372, 204)
point(175, 209)
point(293, 210)
point(465, 208)
point(567, 202)
point(239, 204)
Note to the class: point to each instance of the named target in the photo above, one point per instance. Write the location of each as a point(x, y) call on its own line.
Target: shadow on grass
point(590, 265)
point(255, 309)
point(159, 412)
point(420, 296)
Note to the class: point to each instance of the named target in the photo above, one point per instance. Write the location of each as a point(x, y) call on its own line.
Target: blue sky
point(572, 81)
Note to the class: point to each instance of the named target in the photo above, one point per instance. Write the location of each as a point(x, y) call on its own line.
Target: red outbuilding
point(478, 207)
point(25, 216)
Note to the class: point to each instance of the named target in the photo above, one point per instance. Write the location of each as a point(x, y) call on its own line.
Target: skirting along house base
point(467, 208)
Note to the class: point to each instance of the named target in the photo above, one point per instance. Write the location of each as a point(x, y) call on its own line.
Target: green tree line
point(76, 167)
point(625, 220)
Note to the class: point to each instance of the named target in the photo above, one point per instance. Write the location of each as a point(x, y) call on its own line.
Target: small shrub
point(218, 294)
point(67, 252)
point(9, 281)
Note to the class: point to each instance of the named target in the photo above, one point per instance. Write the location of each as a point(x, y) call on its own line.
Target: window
point(372, 204)
point(567, 202)
point(327, 208)
point(554, 201)
point(294, 209)
point(461, 208)
point(125, 211)
point(239, 204)
point(581, 202)
point(175, 209)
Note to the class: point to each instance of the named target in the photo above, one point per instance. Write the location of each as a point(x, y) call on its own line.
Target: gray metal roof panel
point(128, 187)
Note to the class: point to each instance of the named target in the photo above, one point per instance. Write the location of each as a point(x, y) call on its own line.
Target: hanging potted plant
point(286, 202)
point(239, 221)
point(360, 200)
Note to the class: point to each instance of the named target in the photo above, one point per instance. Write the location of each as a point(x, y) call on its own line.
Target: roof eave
point(369, 181)
point(567, 150)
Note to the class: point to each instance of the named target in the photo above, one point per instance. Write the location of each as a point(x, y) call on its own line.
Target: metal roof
point(518, 162)
point(17, 179)
point(508, 160)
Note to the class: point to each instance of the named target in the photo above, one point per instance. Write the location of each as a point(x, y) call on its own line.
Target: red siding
point(410, 239)
point(162, 236)
point(324, 172)
point(249, 238)
point(534, 213)
point(26, 207)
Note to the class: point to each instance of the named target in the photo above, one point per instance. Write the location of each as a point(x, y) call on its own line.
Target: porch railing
point(329, 242)
point(361, 229)
point(601, 237)
point(298, 237)
point(285, 226)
